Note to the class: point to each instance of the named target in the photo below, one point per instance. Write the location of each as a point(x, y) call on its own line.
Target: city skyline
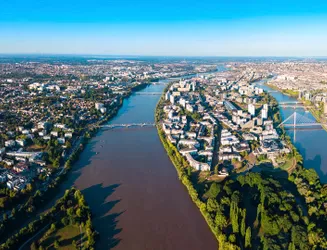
point(183, 28)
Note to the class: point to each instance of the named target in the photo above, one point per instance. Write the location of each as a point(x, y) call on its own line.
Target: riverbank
point(289, 92)
point(316, 116)
point(182, 166)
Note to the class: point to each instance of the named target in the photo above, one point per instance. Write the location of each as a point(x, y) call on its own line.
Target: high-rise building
point(251, 109)
point(265, 106)
point(193, 86)
point(307, 96)
point(264, 114)
point(167, 95)
point(172, 99)
point(264, 111)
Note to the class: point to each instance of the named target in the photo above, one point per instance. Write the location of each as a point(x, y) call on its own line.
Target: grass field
point(65, 236)
point(287, 164)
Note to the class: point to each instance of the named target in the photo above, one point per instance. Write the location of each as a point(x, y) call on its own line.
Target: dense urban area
point(221, 130)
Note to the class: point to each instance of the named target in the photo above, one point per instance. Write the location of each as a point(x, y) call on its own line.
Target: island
point(222, 132)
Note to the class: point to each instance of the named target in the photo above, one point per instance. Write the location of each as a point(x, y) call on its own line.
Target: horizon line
point(140, 55)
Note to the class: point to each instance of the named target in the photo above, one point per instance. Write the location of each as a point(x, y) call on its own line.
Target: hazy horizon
point(150, 55)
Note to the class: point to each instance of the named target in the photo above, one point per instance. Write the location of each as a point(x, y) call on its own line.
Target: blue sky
point(157, 27)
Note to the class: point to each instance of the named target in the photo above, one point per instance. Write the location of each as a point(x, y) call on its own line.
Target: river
point(310, 143)
point(132, 187)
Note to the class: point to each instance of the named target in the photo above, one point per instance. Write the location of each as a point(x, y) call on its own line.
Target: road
point(33, 237)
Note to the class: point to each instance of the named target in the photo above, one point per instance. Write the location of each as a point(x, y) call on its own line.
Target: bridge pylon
point(298, 120)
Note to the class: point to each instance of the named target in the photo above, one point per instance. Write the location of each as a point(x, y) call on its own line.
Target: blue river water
point(310, 143)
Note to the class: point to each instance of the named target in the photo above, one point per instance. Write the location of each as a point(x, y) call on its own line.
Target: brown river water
point(132, 187)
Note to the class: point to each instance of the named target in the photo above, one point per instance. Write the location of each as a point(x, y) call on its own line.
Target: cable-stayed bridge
point(297, 120)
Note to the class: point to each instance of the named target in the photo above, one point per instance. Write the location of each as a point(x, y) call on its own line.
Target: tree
point(291, 246)
point(221, 241)
point(216, 169)
point(189, 171)
point(34, 246)
point(211, 205)
point(29, 187)
point(91, 241)
point(214, 190)
point(248, 238)
point(232, 238)
point(70, 212)
point(3, 202)
point(299, 236)
point(79, 212)
point(31, 227)
point(56, 162)
point(65, 221)
point(234, 217)
point(56, 244)
point(243, 225)
point(53, 227)
point(310, 175)
point(68, 144)
point(13, 212)
point(297, 156)
point(221, 220)
point(75, 244)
